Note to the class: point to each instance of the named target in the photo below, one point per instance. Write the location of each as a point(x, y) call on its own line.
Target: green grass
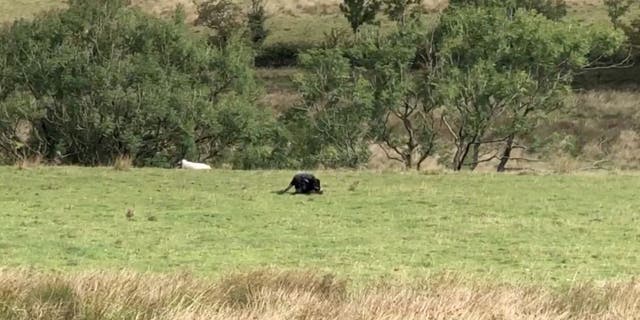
point(303, 28)
point(516, 228)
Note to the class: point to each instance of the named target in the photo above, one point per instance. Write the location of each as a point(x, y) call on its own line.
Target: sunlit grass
point(526, 228)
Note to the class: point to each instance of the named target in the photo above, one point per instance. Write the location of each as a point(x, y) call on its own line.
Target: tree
point(256, 20)
point(226, 19)
point(223, 17)
point(330, 126)
point(359, 12)
point(617, 9)
point(102, 79)
point(474, 99)
point(403, 122)
point(365, 91)
point(517, 71)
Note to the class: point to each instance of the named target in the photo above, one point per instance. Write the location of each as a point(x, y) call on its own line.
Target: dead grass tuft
point(280, 100)
point(564, 163)
point(122, 163)
point(167, 7)
point(29, 162)
point(274, 294)
point(241, 290)
point(381, 162)
point(625, 150)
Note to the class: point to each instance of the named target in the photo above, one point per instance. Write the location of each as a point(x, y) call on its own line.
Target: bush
point(400, 10)
point(330, 126)
point(281, 54)
point(360, 12)
point(18, 138)
point(223, 17)
point(101, 80)
point(256, 19)
point(551, 9)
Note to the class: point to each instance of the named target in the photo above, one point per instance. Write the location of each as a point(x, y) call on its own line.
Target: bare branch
point(519, 146)
point(494, 156)
point(620, 65)
point(596, 165)
point(444, 119)
point(389, 156)
point(524, 159)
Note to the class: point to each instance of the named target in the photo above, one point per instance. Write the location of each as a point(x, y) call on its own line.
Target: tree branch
point(495, 156)
point(444, 119)
point(389, 156)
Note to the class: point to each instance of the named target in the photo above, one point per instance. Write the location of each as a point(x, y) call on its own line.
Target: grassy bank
point(272, 294)
point(289, 21)
point(367, 226)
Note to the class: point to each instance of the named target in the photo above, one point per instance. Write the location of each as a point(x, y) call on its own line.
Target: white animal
point(184, 164)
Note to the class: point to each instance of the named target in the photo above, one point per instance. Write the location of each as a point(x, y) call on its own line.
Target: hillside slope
point(11, 10)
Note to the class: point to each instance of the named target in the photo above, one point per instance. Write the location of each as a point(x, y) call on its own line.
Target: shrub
point(330, 126)
point(280, 54)
point(360, 12)
point(399, 10)
point(101, 79)
point(551, 9)
point(256, 18)
point(223, 17)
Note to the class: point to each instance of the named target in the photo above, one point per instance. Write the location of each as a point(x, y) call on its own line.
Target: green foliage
point(403, 120)
point(617, 9)
point(400, 10)
point(337, 37)
point(365, 91)
point(18, 140)
point(256, 19)
point(504, 71)
point(281, 53)
point(552, 9)
point(331, 124)
point(474, 97)
point(495, 73)
point(107, 80)
point(360, 12)
point(223, 17)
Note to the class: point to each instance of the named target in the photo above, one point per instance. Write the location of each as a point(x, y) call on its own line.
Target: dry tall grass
point(122, 163)
point(273, 7)
point(29, 162)
point(311, 7)
point(272, 294)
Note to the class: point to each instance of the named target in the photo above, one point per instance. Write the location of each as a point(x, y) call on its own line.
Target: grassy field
point(517, 228)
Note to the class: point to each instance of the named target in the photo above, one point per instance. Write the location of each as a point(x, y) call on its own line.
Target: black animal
point(305, 183)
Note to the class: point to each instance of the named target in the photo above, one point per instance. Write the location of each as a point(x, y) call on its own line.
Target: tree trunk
point(456, 165)
point(506, 155)
point(462, 151)
point(408, 156)
point(475, 156)
point(423, 156)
